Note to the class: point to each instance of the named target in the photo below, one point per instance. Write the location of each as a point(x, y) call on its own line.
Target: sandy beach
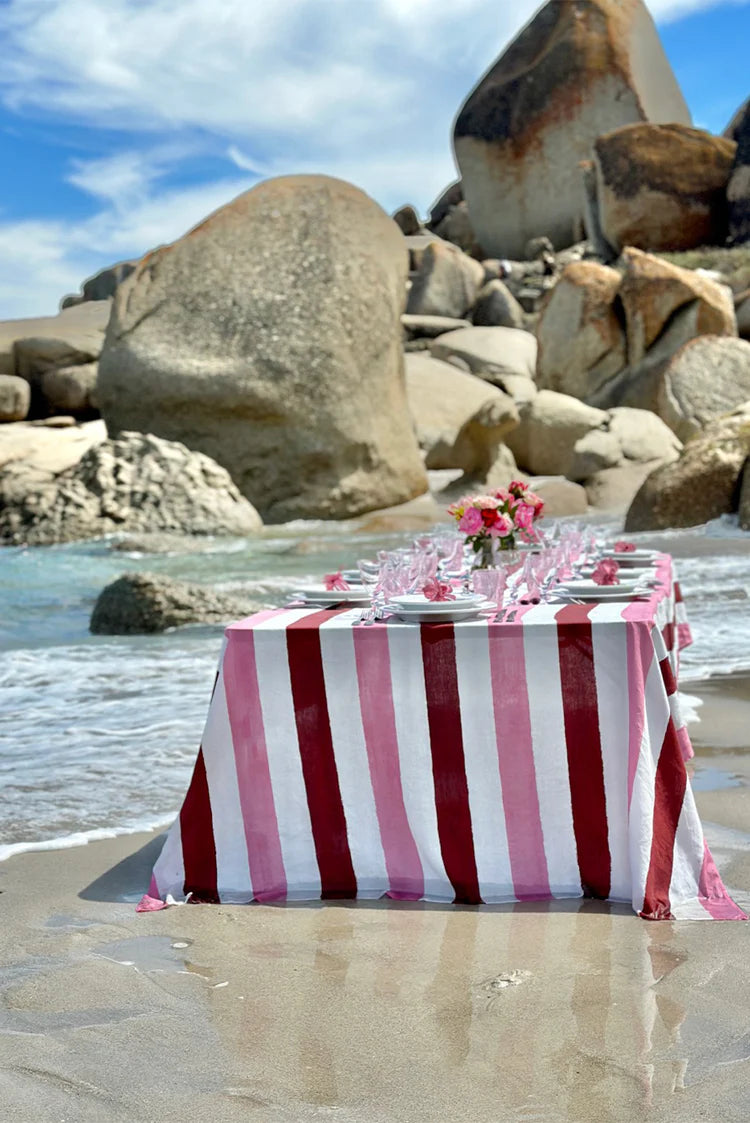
point(376, 1012)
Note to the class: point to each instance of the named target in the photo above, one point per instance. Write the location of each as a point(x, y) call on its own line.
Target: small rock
point(15, 398)
point(497, 307)
point(407, 220)
point(144, 603)
point(70, 388)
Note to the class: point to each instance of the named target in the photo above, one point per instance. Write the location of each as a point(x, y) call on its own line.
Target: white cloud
point(363, 89)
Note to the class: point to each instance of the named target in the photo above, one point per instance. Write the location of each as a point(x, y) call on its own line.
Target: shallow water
point(99, 734)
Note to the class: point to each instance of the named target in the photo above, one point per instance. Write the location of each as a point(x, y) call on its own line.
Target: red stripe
point(669, 792)
point(448, 766)
point(585, 765)
point(327, 817)
point(197, 830)
point(667, 634)
point(667, 674)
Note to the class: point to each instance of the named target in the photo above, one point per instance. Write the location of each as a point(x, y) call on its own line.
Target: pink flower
point(471, 521)
point(622, 547)
point(335, 582)
point(606, 572)
point(486, 502)
point(438, 590)
point(504, 526)
point(523, 516)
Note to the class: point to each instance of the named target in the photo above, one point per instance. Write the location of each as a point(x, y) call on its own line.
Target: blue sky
point(125, 122)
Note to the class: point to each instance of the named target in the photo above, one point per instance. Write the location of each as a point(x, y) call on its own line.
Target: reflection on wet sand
point(556, 1011)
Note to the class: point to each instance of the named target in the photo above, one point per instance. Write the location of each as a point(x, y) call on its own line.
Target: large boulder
point(738, 191)
point(703, 484)
point(705, 379)
point(662, 187)
point(134, 483)
point(460, 420)
point(76, 335)
point(629, 436)
point(544, 442)
point(145, 603)
point(15, 398)
point(407, 220)
point(70, 389)
point(269, 338)
point(445, 202)
point(456, 227)
point(446, 283)
point(653, 291)
point(576, 71)
point(581, 337)
point(491, 353)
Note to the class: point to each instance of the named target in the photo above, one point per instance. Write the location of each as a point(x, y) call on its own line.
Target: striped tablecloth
point(472, 762)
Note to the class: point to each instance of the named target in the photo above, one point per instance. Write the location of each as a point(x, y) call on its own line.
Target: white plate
point(634, 557)
point(576, 587)
point(318, 594)
point(419, 602)
point(608, 592)
point(450, 613)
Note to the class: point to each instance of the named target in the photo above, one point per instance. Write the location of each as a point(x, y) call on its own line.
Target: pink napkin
point(438, 590)
point(622, 547)
point(606, 572)
point(334, 582)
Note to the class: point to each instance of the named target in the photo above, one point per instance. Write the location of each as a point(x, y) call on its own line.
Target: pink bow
point(438, 590)
point(335, 582)
point(606, 572)
point(622, 547)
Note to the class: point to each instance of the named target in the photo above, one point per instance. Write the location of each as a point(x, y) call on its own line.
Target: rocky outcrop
point(551, 425)
point(705, 379)
point(703, 484)
point(446, 284)
point(145, 603)
point(30, 347)
point(269, 338)
point(134, 483)
point(490, 353)
point(576, 71)
point(15, 398)
point(581, 333)
point(738, 191)
point(662, 187)
point(460, 420)
point(628, 437)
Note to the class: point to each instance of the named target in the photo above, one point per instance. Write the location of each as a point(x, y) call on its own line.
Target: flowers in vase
point(498, 520)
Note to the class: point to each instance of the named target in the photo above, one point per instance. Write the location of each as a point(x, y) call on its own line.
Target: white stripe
point(684, 886)
point(415, 757)
point(169, 871)
point(232, 868)
point(284, 762)
point(350, 752)
point(610, 644)
point(547, 721)
point(482, 765)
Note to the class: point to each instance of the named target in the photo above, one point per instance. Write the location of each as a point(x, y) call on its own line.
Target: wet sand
point(377, 1012)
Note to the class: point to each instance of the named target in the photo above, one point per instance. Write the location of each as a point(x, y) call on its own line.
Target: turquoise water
point(98, 734)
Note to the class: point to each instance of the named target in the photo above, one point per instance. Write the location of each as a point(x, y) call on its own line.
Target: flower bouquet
point(497, 521)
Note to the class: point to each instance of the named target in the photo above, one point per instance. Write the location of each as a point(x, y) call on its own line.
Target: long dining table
point(487, 761)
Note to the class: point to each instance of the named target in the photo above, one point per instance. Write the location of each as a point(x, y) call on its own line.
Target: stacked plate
point(416, 607)
point(320, 596)
point(633, 559)
point(590, 591)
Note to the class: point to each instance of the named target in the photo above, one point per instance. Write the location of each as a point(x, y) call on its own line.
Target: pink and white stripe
point(480, 762)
